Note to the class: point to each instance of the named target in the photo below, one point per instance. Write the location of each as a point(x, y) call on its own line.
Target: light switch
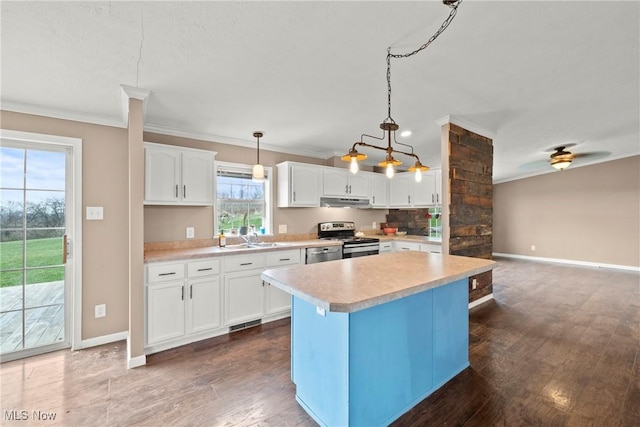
point(95, 213)
point(282, 228)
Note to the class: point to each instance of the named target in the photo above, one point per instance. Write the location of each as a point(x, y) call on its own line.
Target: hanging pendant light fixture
point(389, 125)
point(258, 169)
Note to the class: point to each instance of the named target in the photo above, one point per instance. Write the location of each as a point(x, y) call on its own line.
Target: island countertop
point(350, 285)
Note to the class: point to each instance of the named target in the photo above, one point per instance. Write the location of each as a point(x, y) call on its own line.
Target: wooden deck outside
point(44, 320)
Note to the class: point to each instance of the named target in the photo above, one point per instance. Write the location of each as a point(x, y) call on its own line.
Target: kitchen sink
point(257, 245)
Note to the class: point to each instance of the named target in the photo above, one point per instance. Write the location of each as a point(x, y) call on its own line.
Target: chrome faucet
point(248, 238)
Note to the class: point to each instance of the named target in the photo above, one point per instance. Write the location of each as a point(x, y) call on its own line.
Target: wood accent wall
point(471, 201)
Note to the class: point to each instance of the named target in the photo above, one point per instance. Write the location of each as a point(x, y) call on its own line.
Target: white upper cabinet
point(401, 190)
point(342, 183)
point(299, 185)
point(405, 192)
point(177, 176)
point(379, 184)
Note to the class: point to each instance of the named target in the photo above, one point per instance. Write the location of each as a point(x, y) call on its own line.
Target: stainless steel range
point(352, 246)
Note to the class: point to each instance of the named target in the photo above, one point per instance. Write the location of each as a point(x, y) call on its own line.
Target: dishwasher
point(322, 254)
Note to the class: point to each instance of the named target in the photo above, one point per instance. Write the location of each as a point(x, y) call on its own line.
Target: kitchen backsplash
point(420, 222)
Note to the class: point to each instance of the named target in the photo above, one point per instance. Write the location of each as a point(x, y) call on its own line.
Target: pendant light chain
point(389, 125)
point(445, 24)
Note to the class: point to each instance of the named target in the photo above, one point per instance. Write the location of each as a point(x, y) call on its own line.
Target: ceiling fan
point(561, 158)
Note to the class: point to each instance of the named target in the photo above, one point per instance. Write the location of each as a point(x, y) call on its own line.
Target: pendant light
point(258, 169)
point(389, 125)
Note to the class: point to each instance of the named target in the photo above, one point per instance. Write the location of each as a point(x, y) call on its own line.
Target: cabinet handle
point(432, 198)
point(346, 189)
point(409, 198)
point(374, 200)
point(190, 291)
point(294, 196)
point(285, 259)
point(176, 191)
point(246, 263)
point(182, 296)
point(184, 191)
point(437, 198)
point(205, 269)
point(167, 274)
point(349, 188)
point(263, 283)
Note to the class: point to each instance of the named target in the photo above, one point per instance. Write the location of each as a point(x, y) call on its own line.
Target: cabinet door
point(165, 311)
point(243, 297)
point(304, 186)
point(379, 190)
point(161, 176)
point(401, 190)
point(197, 178)
point(438, 186)
point(277, 300)
point(399, 245)
point(204, 304)
point(434, 249)
point(425, 190)
point(335, 182)
point(358, 185)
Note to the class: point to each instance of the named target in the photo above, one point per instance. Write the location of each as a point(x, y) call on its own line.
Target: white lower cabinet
point(204, 304)
point(386, 247)
point(190, 301)
point(243, 297)
point(428, 247)
point(400, 245)
point(165, 312)
point(181, 308)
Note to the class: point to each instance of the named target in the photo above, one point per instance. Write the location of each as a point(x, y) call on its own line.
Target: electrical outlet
point(375, 224)
point(533, 247)
point(321, 311)
point(282, 228)
point(191, 233)
point(95, 213)
point(101, 310)
point(474, 283)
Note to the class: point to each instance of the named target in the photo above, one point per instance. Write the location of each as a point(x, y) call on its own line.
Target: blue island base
point(369, 367)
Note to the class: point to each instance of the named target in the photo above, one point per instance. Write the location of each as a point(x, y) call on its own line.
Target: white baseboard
point(104, 339)
point(134, 362)
point(569, 261)
point(481, 300)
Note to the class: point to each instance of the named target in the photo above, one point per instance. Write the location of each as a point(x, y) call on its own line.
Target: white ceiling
point(312, 74)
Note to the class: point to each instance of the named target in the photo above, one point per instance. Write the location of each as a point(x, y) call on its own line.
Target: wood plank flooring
point(559, 345)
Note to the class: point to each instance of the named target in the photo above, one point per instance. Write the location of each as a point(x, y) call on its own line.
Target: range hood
point(342, 202)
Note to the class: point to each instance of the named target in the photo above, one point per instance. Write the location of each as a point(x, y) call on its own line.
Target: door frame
point(73, 273)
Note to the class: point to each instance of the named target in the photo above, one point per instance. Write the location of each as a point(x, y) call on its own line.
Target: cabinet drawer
point(203, 268)
point(274, 259)
point(244, 262)
point(165, 272)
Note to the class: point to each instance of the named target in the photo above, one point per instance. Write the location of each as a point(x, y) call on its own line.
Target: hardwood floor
point(559, 345)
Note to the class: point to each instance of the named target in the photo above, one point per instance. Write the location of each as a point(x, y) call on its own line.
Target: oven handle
point(361, 248)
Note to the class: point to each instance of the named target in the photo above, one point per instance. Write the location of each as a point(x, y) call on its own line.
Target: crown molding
point(234, 141)
point(466, 124)
point(62, 115)
point(130, 92)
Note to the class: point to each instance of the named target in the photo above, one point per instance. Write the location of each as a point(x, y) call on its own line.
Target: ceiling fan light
point(560, 164)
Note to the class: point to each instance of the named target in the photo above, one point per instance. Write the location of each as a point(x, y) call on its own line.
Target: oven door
point(357, 250)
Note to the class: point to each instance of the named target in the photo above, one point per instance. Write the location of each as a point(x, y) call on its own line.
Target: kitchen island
point(373, 336)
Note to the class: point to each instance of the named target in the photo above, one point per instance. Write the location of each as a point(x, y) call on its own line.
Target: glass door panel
point(33, 223)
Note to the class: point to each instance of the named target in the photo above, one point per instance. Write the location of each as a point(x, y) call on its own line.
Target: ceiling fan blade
point(595, 155)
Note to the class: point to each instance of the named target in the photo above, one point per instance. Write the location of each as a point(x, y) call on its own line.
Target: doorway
point(37, 236)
